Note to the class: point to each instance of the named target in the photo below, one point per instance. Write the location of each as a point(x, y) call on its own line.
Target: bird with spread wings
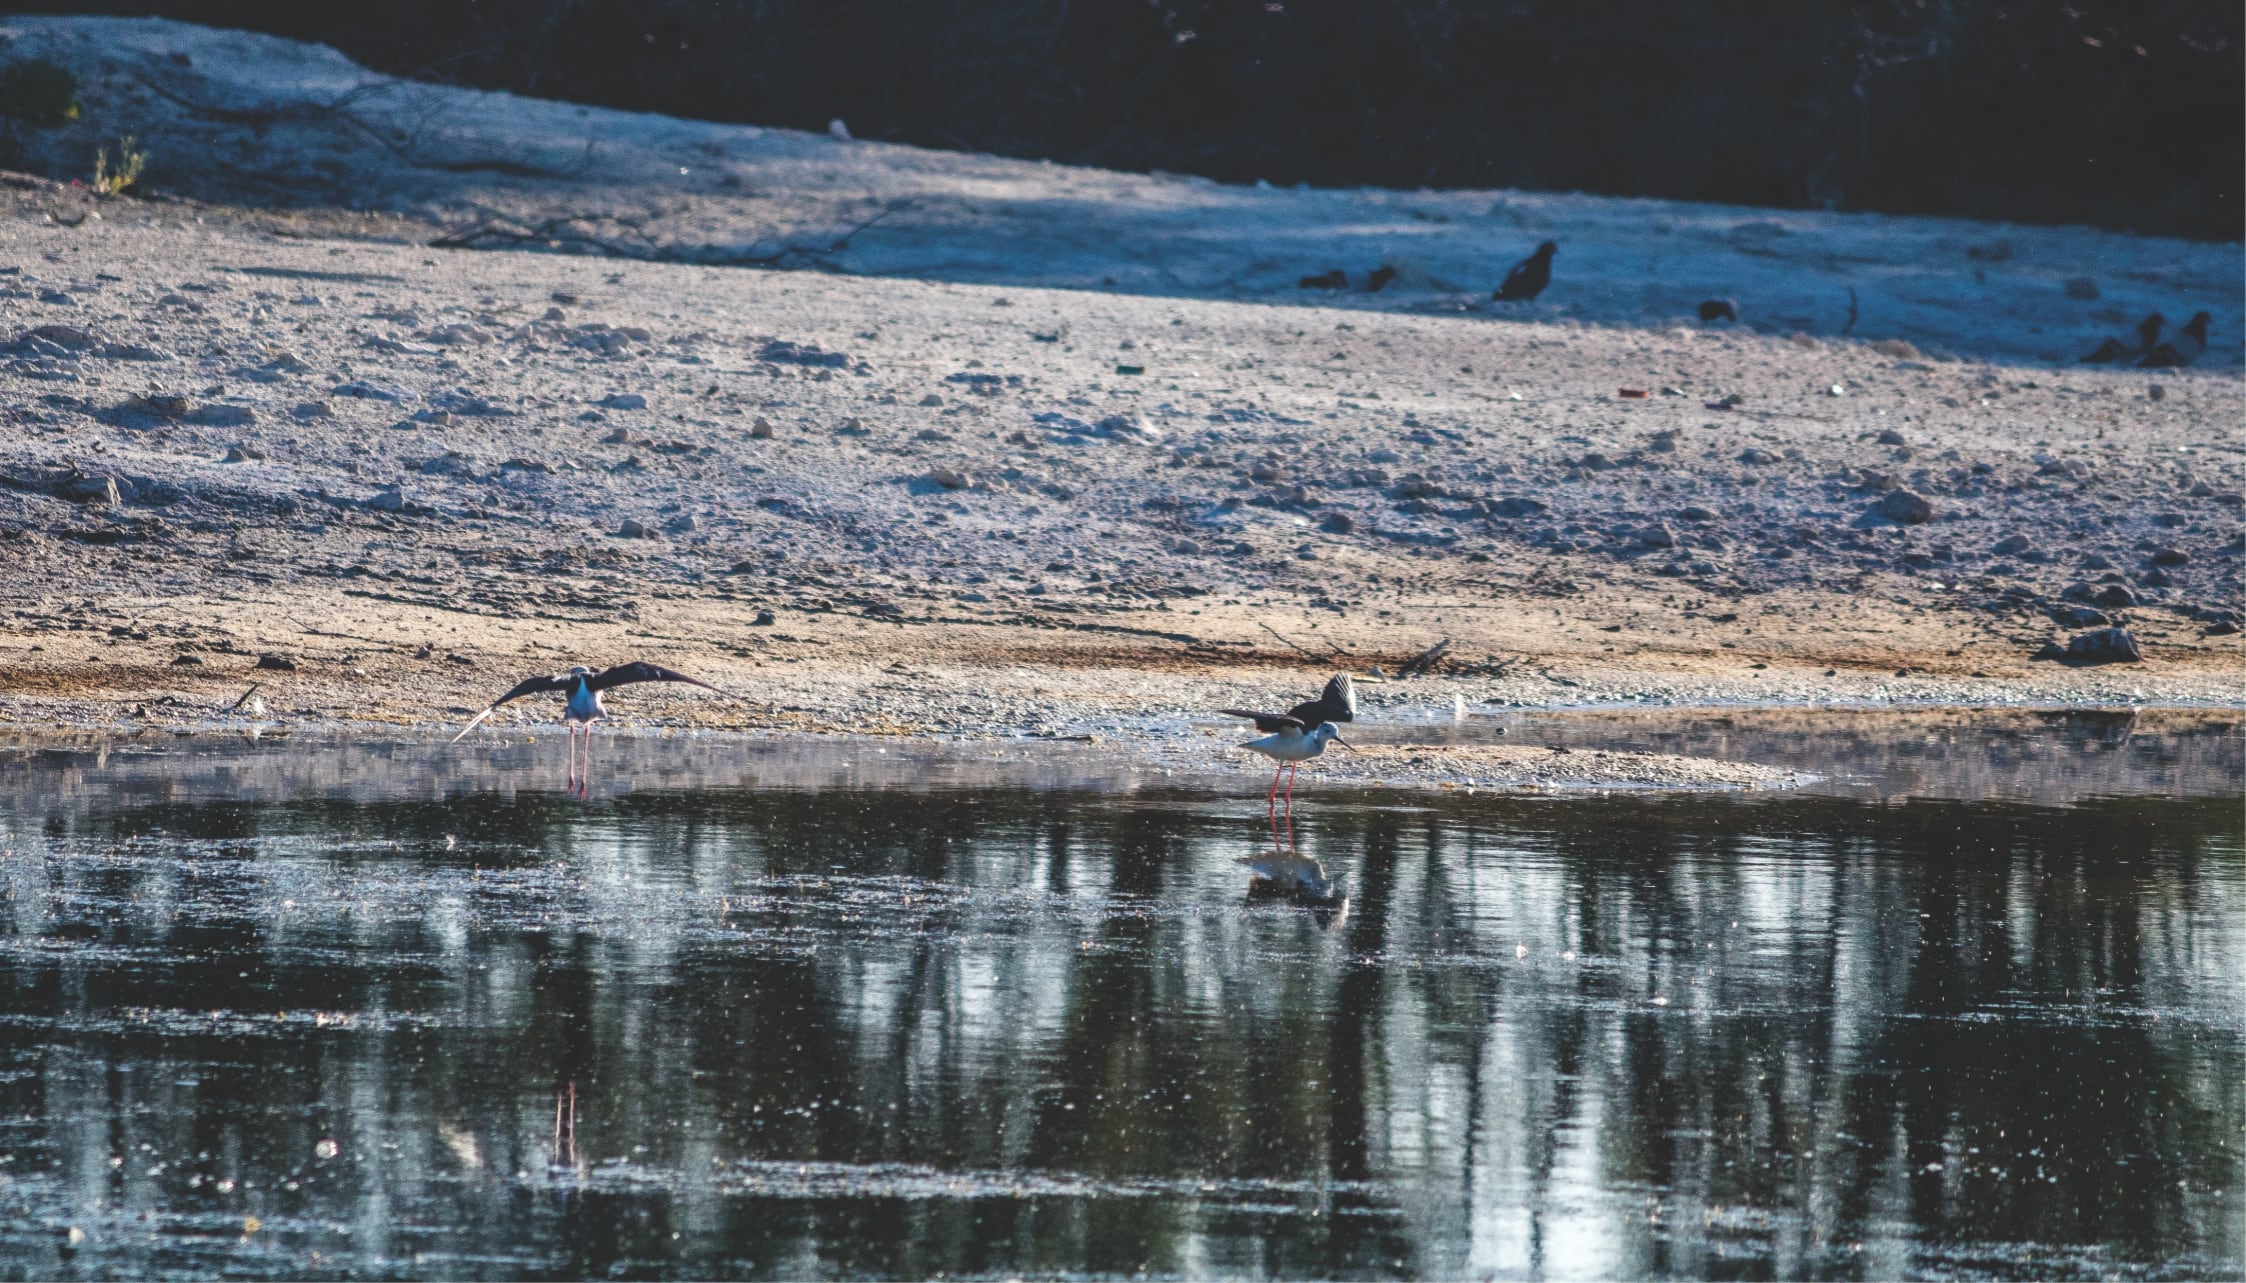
point(583, 686)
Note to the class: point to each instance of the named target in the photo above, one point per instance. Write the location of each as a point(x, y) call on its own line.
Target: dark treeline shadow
point(2120, 113)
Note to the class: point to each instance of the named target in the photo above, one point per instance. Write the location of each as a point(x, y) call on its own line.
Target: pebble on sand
point(1905, 507)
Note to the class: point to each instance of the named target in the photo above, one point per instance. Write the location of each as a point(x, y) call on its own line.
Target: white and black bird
point(583, 687)
point(1299, 734)
point(2116, 348)
point(1529, 276)
point(2183, 347)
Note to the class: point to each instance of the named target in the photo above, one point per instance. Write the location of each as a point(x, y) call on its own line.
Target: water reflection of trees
point(1798, 1036)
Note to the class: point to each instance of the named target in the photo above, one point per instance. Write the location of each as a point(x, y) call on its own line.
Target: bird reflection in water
point(1287, 876)
point(565, 1130)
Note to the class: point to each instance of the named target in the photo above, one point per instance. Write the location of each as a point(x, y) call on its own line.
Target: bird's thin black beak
point(1345, 743)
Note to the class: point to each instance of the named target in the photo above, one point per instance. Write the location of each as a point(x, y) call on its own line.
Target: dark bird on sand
point(2116, 348)
point(583, 687)
point(2183, 347)
point(1529, 276)
point(1300, 733)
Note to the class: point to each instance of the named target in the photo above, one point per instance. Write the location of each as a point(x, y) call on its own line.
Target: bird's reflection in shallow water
point(1290, 877)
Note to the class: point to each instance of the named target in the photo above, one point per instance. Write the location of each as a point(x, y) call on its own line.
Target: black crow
point(1529, 276)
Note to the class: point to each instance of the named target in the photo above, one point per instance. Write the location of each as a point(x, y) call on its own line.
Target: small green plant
point(130, 164)
point(38, 92)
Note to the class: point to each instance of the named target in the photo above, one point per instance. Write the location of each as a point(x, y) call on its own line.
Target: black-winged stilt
point(1299, 734)
point(583, 686)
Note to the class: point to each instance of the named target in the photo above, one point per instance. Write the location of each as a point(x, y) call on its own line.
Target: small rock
point(311, 410)
point(389, 499)
point(1801, 340)
point(1900, 349)
point(2079, 617)
point(623, 401)
point(134, 352)
point(1889, 436)
point(1263, 470)
point(1129, 426)
point(1695, 513)
point(1757, 455)
point(1905, 507)
point(632, 529)
point(761, 430)
point(2170, 557)
point(1718, 309)
point(164, 405)
point(93, 490)
point(1656, 536)
point(2011, 545)
point(947, 478)
point(2157, 578)
point(244, 454)
point(764, 619)
point(617, 436)
point(186, 661)
point(1337, 523)
point(2104, 646)
point(683, 524)
point(69, 336)
point(277, 663)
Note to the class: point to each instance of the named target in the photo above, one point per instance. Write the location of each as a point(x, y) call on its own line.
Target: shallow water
point(329, 1008)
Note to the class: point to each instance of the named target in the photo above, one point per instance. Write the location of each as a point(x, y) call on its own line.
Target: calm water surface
point(1974, 1008)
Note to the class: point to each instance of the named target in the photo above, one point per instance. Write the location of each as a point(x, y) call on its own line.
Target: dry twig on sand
point(1425, 661)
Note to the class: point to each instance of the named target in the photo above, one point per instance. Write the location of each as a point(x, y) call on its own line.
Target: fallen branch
point(1424, 662)
point(500, 230)
point(1328, 658)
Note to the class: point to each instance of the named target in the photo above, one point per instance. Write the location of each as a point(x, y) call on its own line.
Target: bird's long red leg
point(570, 784)
point(585, 778)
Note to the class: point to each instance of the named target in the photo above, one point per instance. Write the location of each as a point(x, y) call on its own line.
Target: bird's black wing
point(1337, 704)
point(641, 671)
point(1268, 723)
point(1515, 280)
point(527, 686)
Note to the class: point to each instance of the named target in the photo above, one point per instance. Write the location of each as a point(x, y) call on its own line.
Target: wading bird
point(583, 686)
point(1299, 734)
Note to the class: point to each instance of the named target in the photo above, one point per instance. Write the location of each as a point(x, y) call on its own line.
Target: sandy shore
point(384, 481)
